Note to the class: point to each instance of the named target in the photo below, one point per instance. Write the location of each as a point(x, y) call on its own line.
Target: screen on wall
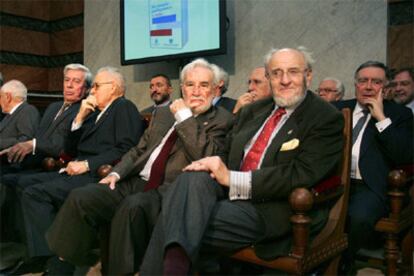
point(156, 30)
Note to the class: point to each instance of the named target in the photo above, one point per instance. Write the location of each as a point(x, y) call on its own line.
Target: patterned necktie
point(359, 125)
point(252, 158)
point(62, 109)
point(158, 167)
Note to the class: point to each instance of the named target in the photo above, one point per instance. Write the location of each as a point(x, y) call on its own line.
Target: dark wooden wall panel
point(401, 46)
point(67, 41)
point(62, 9)
point(24, 41)
point(56, 79)
point(35, 78)
point(39, 9)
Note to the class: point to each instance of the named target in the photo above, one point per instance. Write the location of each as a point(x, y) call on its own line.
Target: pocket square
point(290, 145)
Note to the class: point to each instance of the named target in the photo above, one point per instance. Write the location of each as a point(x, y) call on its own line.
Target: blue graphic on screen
point(168, 23)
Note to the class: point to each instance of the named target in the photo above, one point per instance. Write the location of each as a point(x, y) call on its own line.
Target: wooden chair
point(327, 246)
point(398, 222)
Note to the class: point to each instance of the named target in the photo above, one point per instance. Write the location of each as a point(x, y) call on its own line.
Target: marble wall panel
point(341, 34)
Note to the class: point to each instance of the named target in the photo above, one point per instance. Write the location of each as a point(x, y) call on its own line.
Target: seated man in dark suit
point(56, 121)
point(26, 157)
point(200, 130)
point(160, 90)
point(219, 100)
point(22, 119)
point(277, 144)
point(106, 126)
point(258, 89)
point(382, 138)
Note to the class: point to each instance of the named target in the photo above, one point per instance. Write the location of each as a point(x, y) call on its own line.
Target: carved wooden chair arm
point(301, 201)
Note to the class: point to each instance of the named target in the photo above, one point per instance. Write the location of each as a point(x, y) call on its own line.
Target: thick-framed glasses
point(365, 81)
point(326, 90)
point(96, 85)
point(292, 73)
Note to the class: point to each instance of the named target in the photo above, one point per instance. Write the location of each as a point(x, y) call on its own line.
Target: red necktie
point(158, 167)
point(252, 158)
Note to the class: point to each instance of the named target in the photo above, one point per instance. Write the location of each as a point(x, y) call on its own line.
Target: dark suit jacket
point(318, 127)
point(381, 151)
point(227, 103)
point(52, 133)
point(198, 137)
point(20, 126)
point(105, 141)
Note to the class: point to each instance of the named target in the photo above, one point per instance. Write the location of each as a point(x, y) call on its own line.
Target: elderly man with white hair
point(21, 119)
point(331, 89)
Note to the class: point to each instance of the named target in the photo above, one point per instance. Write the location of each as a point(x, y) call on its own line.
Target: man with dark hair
point(160, 90)
point(382, 138)
point(404, 87)
point(199, 130)
point(277, 144)
point(106, 126)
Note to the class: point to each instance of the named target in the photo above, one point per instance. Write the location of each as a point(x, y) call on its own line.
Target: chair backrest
point(338, 213)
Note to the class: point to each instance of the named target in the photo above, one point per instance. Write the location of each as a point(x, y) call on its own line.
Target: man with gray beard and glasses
point(276, 145)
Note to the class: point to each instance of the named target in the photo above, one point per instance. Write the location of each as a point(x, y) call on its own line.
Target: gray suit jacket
point(20, 126)
point(198, 137)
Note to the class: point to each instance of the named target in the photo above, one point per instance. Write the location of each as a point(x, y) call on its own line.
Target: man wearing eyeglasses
point(382, 138)
point(331, 89)
point(404, 87)
point(106, 126)
point(290, 140)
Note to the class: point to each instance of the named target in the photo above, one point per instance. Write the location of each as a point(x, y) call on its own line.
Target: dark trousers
point(131, 230)
point(364, 210)
point(197, 216)
point(82, 214)
point(40, 203)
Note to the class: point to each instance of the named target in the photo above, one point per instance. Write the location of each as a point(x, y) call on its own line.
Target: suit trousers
point(197, 216)
point(81, 216)
point(40, 203)
point(364, 210)
point(131, 230)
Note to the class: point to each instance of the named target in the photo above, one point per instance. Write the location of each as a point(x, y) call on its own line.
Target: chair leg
point(407, 252)
point(391, 253)
point(332, 268)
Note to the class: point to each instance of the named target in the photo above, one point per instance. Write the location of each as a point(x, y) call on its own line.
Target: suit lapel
point(8, 118)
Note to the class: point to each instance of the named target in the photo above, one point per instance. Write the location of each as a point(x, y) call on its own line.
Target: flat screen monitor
point(159, 30)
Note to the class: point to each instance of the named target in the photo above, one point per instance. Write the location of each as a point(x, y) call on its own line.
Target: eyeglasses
point(326, 90)
point(364, 81)
point(292, 73)
point(96, 85)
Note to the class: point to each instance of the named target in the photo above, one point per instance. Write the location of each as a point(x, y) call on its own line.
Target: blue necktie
point(358, 127)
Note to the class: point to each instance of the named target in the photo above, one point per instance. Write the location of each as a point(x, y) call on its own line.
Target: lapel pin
point(290, 132)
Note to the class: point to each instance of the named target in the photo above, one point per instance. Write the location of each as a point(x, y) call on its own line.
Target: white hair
point(116, 73)
point(16, 88)
point(306, 55)
point(339, 85)
point(80, 67)
point(200, 62)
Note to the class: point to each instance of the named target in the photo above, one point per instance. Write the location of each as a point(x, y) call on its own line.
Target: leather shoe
point(56, 266)
point(32, 265)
